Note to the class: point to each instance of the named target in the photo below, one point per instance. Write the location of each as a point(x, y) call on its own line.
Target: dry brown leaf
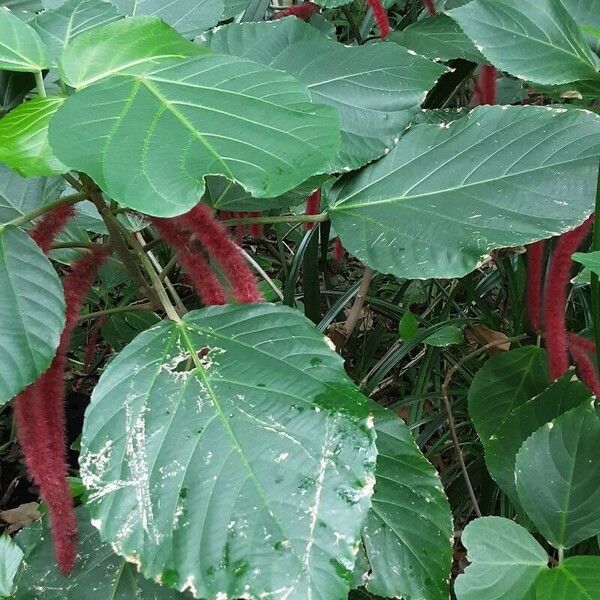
point(22, 515)
point(484, 335)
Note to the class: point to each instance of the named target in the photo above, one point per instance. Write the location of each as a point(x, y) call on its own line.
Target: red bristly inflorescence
point(485, 86)
point(50, 225)
point(535, 276)
point(584, 364)
point(40, 417)
point(213, 237)
point(203, 279)
point(303, 11)
point(430, 6)
point(555, 297)
point(381, 18)
point(313, 206)
point(256, 229)
point(338, 250)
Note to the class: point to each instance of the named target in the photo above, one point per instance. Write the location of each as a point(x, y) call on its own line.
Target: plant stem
point(352, 25)
point(357, 307)
point(561, 555)
point(39, 84)
point(277, 219)
point(43, 209)
point(595, 280)
point(115, 311)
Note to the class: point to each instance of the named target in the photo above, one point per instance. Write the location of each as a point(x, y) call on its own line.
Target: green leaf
point(21, 48)
point(505, 382)
point(558, 477)
point(230, 455)
point(189, 17)
point(502, 446)
point(448, 336)
point(13, 88)
point(499, 177)
point(59, 27)
point(409, 326)
point(122, 328)
point(505, 560)
point(148, 141)
point(10, 559)
point(24, 138)
point(20, 195)
point(376, 89)
point(98, 574)
point(32, 312)
point(408, 531)
point(587, 15)
point(233, 8)
point(591, 260)
point(132, 46)
point(536, 40)
point(576, 578)
point(438, 38)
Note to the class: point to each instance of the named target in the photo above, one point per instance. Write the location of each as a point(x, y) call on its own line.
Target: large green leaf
point(586, 14)
point(32, 312)
point(59, 27)
point(99, 573)
point(501, 448)
point(149, 140)
point(131, 46)
point(448, 194)
point(189, 17)
point(536, 40)
point(558, 477)
point(576, 578)
point(230, 455)
point(20, 195)
point(438, 38)
point(21, 48)
point(506, 382)
point(376, 89)
point(505, 560)
point(24, 138)
point(10, 559)
point(409, 528)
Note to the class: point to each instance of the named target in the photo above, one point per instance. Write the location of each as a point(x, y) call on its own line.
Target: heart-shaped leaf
point(131, 46)
point(59, 27)
point(32, 312)
point(98, 574)
point(409, 527)
point(499, 177)
point(189, 17)
point(505, 561)
point(536, 40)
point(148, 141)
point(558, 477)
point(576, 578)
point(376, 89)
point(24, 138)
point(230, 455)
point(21, 48)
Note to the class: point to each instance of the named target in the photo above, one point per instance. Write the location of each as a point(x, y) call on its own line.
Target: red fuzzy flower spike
point(485, 86)
point(381, 18)
point(40, 417)
point(92, 342)
point(203, 279)
point(535, 268)
point(338, 250)
point(218, 244)
point(583, 343)
point(313, 206)
point(303, 11)
point(50, 225)
point(555, 297)
point(256, 229)
point(585, 367)
point(430, 6)
point(240, 228)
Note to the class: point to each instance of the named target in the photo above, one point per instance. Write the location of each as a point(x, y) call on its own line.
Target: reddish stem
point(50, 225)
point(381, 18)
point(555, 297)
point(535, 272)
point(92, 342)
point(217, 243)
point(203, 279)
point(430, 6)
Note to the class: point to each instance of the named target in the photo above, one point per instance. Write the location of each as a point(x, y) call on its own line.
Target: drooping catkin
point(338, 250)
point(584, 364)
point(381, 18)
point(213, 237)
point(302, 11)
point(430, 6)
point(535, 276)
point(313, 206)
point(40, 417)
point(555, 297)
point(50, 225)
